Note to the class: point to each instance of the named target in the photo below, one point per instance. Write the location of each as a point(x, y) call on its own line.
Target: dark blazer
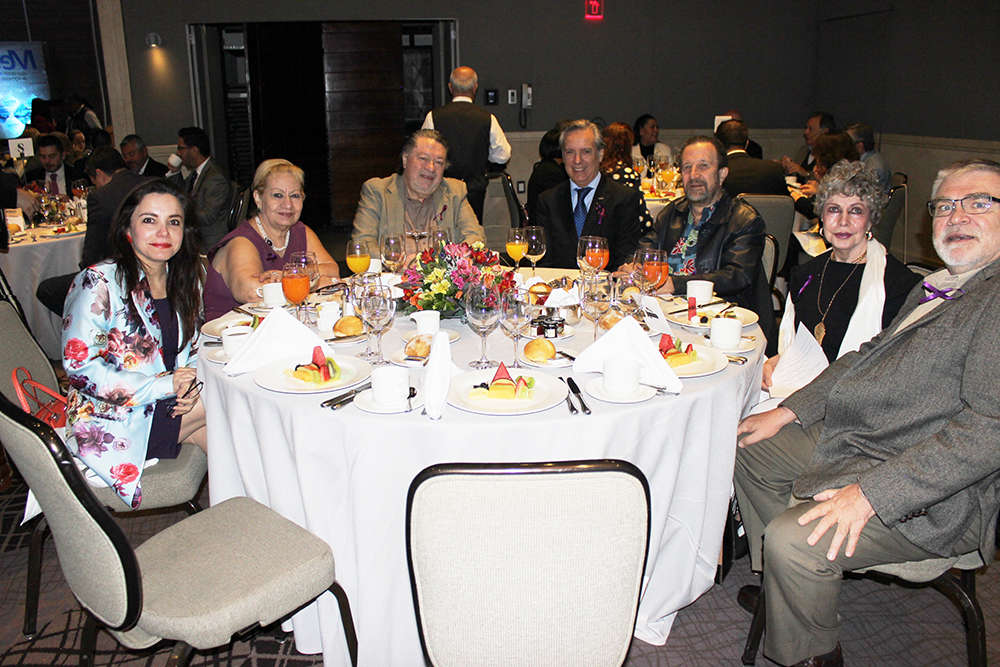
point(753, 176)
point(72, 173)
point(926, 454)
point(614, 214)
point(213, 194)
point(730, 244)
point(754, 149)
point(155, 169)
point(102, 204)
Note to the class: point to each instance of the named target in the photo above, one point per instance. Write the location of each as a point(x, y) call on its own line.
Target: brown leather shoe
point(747, 597)
point(832, 659)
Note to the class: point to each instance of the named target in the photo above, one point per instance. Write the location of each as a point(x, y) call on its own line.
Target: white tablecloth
point(29, 263)
point(344, 475)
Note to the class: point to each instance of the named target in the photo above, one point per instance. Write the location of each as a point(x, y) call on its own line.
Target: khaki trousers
point(801, 586)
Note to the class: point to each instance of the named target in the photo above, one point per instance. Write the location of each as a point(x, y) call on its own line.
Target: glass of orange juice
point(592, 254)
point(651, 268)
point(295, 285)
point(517, 245)
point(358, 257)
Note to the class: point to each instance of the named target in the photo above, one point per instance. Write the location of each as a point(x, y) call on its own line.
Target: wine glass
point(628, 293)
point(482, 311)
point(517, 245)
point(392, 253)
point(418, 236)
point(592, 254)
point(515, 316)
point(359, 283)
point(308, 260)
point(377, 310)
point(595, 296)
point(651, 268)
point(536, 245)
point(358, 257)
point(438, 237)
point(639, 167)
point(295, 285)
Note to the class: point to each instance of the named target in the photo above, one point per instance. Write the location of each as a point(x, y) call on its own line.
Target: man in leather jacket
point(708, 235)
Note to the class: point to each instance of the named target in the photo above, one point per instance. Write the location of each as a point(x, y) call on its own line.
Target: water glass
point(482, 312)
point(515, 316)
point(377, 310)
point(536, 245)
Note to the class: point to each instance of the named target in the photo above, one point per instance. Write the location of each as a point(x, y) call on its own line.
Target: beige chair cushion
point(223, 570)
point(921, 571)
point(170, 482)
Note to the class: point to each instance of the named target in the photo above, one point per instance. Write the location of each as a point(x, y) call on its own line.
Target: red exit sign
point(593, 10)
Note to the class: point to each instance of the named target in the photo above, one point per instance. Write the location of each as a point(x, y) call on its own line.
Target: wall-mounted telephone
point(527, 99)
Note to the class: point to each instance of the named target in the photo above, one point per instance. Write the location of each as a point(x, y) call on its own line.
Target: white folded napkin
point(560, 298)
point(390, 280)
point(658, 321)
point(798, 364)
point(279, 336)
point(627, 340)
point(437, 377)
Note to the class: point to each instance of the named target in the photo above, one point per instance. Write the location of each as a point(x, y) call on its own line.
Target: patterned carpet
point(883, 624)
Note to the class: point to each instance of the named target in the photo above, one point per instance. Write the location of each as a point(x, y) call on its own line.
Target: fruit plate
point(277, 376)
point(709, 361)
point(548, 392)
point(746, 317)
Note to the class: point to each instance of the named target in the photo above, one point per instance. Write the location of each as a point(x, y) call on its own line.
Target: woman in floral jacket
point(129, 334)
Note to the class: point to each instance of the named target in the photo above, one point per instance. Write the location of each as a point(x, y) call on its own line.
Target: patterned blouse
point(624, 174)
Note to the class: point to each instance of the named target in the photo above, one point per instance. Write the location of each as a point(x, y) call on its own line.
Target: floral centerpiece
point(438, 276)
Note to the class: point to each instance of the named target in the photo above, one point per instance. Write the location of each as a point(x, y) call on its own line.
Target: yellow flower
point(436, 275)
point(440, 287)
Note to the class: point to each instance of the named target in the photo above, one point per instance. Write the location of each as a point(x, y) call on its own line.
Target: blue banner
point(22, 78)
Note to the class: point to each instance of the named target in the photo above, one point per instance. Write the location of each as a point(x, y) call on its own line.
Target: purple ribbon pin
point(946, 294)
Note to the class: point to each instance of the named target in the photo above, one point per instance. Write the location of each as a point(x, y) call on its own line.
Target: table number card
point(21, 148)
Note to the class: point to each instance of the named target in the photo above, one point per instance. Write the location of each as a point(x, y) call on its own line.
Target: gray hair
point(139, 143)
point(582, 124)
point(462, 82)
point(411, 141)
point(964, 167)
point(853, 179)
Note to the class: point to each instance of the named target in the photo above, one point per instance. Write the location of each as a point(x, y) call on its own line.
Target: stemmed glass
point(517, 245)
point(377, 309)
point(595, 296)
point(392, 253)
point(358, 257)
point(651, 268)
point(418, 236)
point(438, 237)
point(295, 285)
point(359, 283)
point(515, 316)
point(308, 260)
point(536, 245)
point(592, 254)
point(628, 292)
point(639, 167)
point(482, 311)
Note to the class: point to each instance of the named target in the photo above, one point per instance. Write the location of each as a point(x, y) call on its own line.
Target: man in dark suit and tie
point(137, 158)
point(206, 183)
point(589, 204)
point(888, 475)
point(55, 174)
point(748, 174)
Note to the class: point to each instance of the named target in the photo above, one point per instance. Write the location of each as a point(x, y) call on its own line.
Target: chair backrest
point(890, 214)
point(96, 558)
point(769, 259)
point(898, 178)
point(7, 294)
point(501, 211)
point(19, 348)
point(527, 563)
point(238, 205)
point(778, 212)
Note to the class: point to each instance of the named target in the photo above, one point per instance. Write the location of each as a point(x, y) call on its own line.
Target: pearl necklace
point(267, 239)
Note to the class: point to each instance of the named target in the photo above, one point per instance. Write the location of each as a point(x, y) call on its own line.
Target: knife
point(344, 399)
point(710, 303)
point(566, 354)
point(576, 390)
point(569, 402)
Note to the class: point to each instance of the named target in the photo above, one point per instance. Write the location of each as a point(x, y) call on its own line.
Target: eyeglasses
point(974, 204)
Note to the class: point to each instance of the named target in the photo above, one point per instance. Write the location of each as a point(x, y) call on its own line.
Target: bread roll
point(13, 228)
point(349, 326)
point(539, 293)
point(609, 319)
point(539, 350)
point(419, 346)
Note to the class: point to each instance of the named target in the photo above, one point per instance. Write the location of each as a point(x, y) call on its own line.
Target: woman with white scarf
point(848, 294)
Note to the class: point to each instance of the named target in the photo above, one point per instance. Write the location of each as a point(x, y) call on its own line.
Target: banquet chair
point(769, 261)
point(239, 205)
point(169, 483)
point(219, 573)
point(890, 215)
point(778, 213)
point(7, 294)
point(959, 587)
point(527, 563)
point(501, 210)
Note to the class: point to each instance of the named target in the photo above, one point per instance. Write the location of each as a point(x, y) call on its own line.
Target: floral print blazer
point(116, 374)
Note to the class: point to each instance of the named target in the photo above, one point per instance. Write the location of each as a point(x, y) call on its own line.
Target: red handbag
point(52, 412)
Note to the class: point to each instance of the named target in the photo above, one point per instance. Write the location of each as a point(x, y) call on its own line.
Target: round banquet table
point(26, 265)
point(344, 475)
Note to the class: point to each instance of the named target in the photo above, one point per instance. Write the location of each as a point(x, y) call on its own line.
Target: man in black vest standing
point(474, 136)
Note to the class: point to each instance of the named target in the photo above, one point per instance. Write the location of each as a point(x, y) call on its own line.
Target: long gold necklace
point(819, 331)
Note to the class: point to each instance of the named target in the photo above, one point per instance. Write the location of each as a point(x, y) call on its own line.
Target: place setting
point(702, 305)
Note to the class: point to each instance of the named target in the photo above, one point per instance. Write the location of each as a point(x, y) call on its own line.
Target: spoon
point(409, 399)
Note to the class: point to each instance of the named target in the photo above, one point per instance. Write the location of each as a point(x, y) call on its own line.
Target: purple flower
point(600, 213)
point(90, 439)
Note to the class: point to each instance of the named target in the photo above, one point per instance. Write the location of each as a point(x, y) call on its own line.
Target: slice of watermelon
point(502, 374)
point(666, 342)
point(318, 357)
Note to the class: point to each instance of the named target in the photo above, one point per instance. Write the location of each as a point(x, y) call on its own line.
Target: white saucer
point(745, 345)
point(261, 308)
point(217, 355)
point(595, 387)
point(366, 403)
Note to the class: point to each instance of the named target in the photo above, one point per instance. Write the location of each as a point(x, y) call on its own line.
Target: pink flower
point(76, 350)
point(125, 472)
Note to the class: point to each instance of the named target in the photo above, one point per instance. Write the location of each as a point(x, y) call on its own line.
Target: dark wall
point(910, 67)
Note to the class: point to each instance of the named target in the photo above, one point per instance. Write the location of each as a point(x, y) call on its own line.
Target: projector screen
point(22, 78)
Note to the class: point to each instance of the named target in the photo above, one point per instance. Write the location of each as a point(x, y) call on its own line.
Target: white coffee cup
point(701, 290)
point(390, 387)
point(726, 333)
point(329, 313)
point(428, 321)
point(621, 377)
point(234, 338)
point(272, 294)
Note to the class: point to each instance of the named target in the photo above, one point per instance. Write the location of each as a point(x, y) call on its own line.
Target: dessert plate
point(709, 361)
point(277, 376)
point(213, 328)
point(548, 392)
point(746, 317)
point(595, 387)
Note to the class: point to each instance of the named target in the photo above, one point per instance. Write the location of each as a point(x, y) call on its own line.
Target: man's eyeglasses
point(974, 204)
